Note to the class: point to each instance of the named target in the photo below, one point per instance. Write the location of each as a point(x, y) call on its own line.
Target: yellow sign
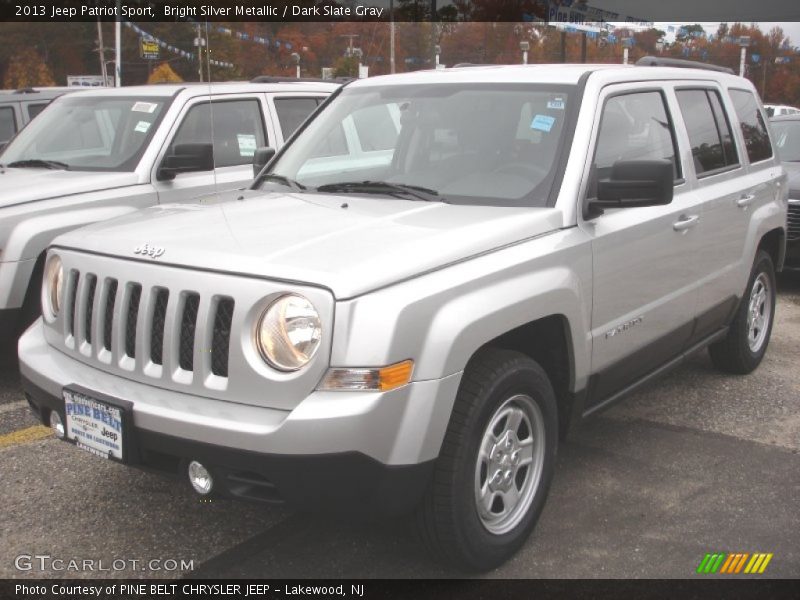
point(148, 48)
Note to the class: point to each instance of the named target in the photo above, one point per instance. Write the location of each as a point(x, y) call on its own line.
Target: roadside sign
point(149, 49)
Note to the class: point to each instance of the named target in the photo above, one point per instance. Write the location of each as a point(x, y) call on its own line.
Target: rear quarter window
point(8, 124)
point(754, 130)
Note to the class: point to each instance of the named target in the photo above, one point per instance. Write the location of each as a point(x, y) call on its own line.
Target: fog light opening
point(200, 478)
point(57, 425)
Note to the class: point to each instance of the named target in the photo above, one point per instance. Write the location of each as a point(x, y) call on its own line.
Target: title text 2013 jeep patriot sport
point(410, 323)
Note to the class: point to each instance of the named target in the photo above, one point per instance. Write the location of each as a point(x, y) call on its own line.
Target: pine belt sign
point(148, 48)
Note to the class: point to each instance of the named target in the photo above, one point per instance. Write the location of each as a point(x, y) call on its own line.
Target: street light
point(524, 46)
point(744, 42)
point(296, 59)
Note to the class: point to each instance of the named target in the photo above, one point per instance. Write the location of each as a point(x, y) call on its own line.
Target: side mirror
point(635, 183)
point(261, 158)
point(3, 146)
point(187, 158)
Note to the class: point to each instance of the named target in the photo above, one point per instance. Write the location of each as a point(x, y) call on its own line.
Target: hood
point(18, 186)
point(348, 244)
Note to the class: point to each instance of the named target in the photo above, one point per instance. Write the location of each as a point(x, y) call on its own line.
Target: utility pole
point(118, 46)
point(583, 47)
point(391, 36)
point(102, 52)
point(199, 42)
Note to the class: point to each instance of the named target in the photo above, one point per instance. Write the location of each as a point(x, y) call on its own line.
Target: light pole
point(524, 46)
point(296, 59)
point(744, 42)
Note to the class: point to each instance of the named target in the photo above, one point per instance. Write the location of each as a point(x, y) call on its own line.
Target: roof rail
point(660, 61)
point(461, 65)
point(284, 79)
point(26, 90)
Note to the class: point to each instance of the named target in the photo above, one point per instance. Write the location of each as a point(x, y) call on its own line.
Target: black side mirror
point(261, 158)
point(187, 158)
point(635, 183)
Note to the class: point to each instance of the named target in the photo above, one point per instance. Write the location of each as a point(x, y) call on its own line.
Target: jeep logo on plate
point(148, 250)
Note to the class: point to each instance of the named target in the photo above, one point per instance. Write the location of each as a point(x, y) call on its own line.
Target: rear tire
point(746, 343)
point(496, 463)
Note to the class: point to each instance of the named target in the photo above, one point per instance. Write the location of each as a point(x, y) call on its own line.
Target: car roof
point(38, 93)
point(192, 89)
point(544, 73)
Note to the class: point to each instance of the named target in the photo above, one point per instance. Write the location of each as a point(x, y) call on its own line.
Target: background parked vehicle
point(108, 152)
point(19, 107)
point(779, 110)
point(786, 130)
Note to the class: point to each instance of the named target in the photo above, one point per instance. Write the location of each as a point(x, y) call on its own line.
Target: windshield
point(787, 139)
point(461, 143)
point(91, 133)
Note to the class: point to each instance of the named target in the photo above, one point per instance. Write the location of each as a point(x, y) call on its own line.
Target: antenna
point(210, 103)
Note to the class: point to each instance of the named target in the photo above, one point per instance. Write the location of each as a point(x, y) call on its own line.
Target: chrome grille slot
point(108, 314)
point(793, 222)
point(91, 285)
point(220, 341)
point(191, 305)
point(72, 295)
point(131, 318)
point(157, 326)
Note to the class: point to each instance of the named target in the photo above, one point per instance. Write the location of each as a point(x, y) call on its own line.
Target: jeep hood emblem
point(148, 250)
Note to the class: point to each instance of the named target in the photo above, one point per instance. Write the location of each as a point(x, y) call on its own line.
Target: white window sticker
point(542, 122)
point(247, 144)
point(142, 126)
point(556, 104)
point(145, 107)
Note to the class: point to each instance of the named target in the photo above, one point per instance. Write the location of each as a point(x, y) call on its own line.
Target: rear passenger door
point(644, 258)
point(732, 180)
point(235, 126)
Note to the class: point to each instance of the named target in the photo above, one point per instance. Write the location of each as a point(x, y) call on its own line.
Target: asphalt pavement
point(696, 462)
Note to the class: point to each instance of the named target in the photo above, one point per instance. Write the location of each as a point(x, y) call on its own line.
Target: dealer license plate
point(94, 425)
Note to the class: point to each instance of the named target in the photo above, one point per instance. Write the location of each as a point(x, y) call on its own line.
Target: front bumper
point(334, 447)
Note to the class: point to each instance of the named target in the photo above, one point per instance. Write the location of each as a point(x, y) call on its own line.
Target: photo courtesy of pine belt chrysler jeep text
point(104, 153)
point(408, 323)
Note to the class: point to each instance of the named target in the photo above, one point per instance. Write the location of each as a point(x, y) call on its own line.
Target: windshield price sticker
point(142, 127)
point(145, 107)
point(247, 144)
point(543, 122)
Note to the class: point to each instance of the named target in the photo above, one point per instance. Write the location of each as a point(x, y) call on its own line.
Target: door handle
point(746, 200)
point(685, 222)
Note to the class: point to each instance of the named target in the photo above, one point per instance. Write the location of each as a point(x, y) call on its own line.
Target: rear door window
point(293, 111)
point(35, 109)
point(709, 130)
point(8, 124)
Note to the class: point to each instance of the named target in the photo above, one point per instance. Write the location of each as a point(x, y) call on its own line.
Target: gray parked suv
point(108, 152)
point(435, 278)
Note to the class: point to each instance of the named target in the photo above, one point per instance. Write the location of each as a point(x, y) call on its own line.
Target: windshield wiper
point(284, 180)
point(38, 162)
point(382, 187)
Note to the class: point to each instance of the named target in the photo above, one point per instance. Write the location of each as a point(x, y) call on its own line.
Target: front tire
point(496, 464)
point(746, 343)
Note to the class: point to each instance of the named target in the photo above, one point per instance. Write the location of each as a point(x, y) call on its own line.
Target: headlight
point(53, 284)
point(289, 332)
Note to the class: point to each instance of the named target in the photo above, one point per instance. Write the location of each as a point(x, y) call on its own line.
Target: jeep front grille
point(793, 222)
point(115, 322)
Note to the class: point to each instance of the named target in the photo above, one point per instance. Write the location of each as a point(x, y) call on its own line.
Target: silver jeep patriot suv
point(421, 292)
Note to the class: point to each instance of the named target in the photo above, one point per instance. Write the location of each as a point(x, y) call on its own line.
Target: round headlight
point(53, 282)
point(289, 333)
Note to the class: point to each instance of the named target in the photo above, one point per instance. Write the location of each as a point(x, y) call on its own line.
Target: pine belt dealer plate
point(96, 426)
